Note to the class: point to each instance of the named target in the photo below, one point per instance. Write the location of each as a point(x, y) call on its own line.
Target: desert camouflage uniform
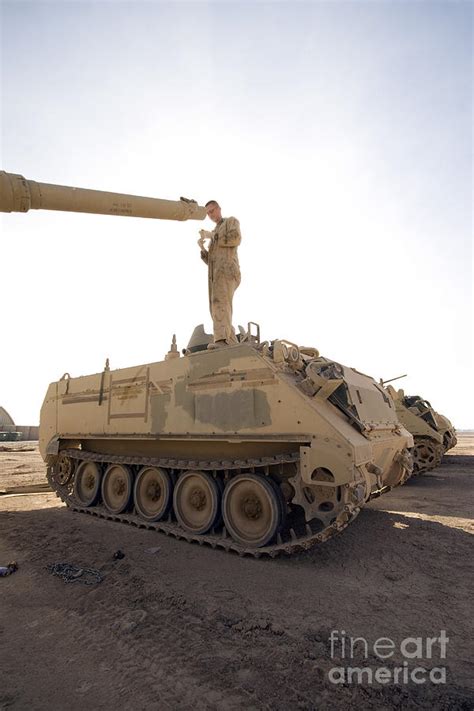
point(223, 276)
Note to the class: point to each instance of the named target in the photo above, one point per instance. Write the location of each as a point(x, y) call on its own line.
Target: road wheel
point(117, 487)
point(153, 493)
point(252, 510)
point(196, 501)
point(87, 483)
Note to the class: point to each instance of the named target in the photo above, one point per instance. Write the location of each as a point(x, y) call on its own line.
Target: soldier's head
point(213, 210)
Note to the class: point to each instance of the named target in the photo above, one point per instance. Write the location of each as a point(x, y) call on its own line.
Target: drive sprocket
point(427, 454)
point(63, 469)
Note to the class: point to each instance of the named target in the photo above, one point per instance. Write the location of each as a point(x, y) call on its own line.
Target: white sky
point(339, 134)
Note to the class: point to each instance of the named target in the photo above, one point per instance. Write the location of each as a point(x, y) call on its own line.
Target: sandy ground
point(179, 626)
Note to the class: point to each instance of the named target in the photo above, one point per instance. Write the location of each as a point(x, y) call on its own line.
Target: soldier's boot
point(217, 344)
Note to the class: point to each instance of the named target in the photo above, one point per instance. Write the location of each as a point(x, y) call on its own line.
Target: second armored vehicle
point(433, 434)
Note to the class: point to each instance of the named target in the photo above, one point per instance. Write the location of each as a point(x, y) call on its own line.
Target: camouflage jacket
point(222, 254)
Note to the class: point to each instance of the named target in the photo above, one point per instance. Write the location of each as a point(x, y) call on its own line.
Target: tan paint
point(20, 195)
point(447, 431)
point(410, 417)
point(229, 402)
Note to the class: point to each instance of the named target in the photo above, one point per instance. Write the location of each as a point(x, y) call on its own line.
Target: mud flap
point(53, 446)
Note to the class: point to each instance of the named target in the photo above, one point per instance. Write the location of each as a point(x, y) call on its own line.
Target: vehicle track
point(297, 536)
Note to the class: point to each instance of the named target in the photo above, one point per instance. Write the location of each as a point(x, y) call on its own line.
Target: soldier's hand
point(205, 235)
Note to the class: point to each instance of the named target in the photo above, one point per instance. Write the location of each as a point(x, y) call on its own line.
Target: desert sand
point(177, 626)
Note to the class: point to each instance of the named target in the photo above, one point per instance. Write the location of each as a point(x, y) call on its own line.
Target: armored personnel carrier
point(257, 448)
point(433, 433)
point(260, 448)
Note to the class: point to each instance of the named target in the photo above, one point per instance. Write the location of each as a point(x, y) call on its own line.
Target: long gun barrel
point(20, 195)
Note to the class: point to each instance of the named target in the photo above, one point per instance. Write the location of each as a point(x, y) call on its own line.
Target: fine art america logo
point(418, 653)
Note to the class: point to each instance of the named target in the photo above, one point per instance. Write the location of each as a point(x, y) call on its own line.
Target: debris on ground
point(8, 569)
point(118, 555)
point(16, 448)
point(74, 574)
point(42, 488)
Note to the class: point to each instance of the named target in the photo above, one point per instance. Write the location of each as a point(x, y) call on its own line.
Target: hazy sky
point(340, 135)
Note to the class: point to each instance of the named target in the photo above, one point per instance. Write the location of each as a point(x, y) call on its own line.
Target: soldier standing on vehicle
point(223, 271)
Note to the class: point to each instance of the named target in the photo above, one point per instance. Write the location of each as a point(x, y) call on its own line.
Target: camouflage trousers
point(221, 292)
